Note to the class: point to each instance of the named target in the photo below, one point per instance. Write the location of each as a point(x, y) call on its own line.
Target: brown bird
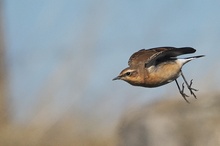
point(158, 66)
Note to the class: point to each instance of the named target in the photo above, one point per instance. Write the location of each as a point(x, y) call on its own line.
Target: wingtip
point(188, 50)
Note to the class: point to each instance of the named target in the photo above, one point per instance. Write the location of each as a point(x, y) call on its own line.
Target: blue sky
point(62, 55)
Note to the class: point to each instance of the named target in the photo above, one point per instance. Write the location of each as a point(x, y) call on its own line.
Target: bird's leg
point(182, 91)
point(189, 85)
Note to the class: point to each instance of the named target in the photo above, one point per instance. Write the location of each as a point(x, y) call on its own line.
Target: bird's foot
point(192, 89)
point(184, 95)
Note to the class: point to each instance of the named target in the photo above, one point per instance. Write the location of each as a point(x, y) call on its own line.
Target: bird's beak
point(116, 78)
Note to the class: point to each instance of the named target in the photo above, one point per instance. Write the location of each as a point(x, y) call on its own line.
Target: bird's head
point(129, 75)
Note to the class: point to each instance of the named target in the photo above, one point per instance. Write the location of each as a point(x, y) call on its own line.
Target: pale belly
point(162, 75)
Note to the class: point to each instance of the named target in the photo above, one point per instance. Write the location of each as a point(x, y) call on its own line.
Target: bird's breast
point(162, 74)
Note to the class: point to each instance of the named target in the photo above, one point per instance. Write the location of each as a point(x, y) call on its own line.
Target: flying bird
point(158, 66)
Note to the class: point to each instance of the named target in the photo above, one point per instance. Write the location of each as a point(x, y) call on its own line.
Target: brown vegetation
point(173, 123)
point(170, 122)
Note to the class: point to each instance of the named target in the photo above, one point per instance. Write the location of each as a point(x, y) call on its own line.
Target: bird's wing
point(148, 57)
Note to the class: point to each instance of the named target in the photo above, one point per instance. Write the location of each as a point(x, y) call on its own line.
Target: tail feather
point(185, 60)
point(194, 57)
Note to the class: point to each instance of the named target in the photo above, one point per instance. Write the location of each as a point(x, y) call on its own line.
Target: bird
point(158, 66)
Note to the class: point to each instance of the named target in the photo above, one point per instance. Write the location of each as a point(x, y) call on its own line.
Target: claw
point(191, 85)
point(182, 91)
point(192, 89)
point(183, 94)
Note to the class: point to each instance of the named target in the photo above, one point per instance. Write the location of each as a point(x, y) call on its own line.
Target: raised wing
point(148, 57)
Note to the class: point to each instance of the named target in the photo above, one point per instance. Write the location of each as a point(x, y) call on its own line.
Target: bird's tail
point(185, 60)
point(194, 57)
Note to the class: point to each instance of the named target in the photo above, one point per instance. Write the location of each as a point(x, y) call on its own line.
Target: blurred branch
point(3, 73)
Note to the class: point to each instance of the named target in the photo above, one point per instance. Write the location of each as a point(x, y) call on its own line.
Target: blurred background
point(58, 59)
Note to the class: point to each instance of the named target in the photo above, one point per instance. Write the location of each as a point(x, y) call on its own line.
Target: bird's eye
point(128, 73)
